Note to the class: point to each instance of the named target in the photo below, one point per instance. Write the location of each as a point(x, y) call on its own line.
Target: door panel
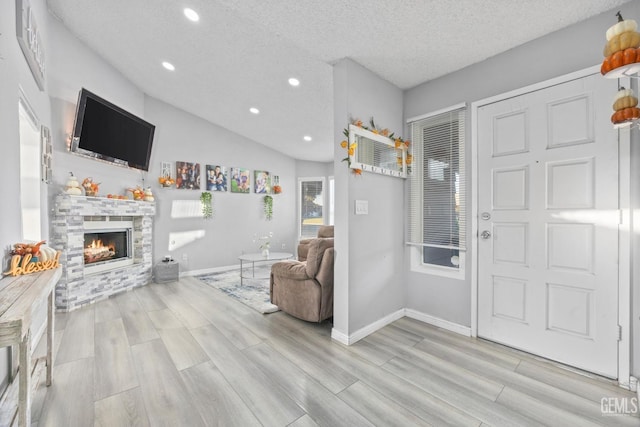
point(548, 178)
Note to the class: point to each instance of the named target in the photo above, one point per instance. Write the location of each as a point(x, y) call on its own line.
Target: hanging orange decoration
point(622, 56)
point(625, 105)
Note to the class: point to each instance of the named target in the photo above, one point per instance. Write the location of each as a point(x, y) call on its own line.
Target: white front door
point(549, 216)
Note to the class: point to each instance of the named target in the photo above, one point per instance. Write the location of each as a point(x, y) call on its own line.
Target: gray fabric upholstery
point(325, 231)
point(305, 289)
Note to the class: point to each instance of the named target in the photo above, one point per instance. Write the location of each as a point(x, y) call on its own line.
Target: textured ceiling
point(241, 52)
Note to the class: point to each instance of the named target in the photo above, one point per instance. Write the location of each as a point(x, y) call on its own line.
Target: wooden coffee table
point(258, 257)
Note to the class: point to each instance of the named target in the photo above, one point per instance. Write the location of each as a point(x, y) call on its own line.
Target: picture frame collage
point(218, 178)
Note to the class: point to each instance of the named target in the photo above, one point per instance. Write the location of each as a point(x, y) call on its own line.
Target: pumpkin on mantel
point(625, 107)
point(621, 49)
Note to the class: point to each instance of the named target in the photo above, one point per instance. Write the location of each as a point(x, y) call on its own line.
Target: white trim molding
point(361, 333)
point(209, 270)
point(438, 322)
point(367, 330)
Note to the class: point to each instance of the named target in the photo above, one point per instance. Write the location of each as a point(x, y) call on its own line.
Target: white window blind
point(311, 206)
point(437, 186)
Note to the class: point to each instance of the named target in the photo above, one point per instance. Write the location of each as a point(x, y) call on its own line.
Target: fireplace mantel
point(76, 288)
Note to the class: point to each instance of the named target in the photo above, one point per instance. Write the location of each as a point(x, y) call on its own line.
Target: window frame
point(332, 199)
point(30, 167)
point(417, 263)
point(301, 180)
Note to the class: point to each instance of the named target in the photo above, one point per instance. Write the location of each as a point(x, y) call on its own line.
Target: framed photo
point(262, 182)
point(188, 175)
point(216, 178)
point(240, 180)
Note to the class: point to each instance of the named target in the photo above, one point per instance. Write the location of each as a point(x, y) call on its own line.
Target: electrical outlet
point(185, 257)
point(283, 246)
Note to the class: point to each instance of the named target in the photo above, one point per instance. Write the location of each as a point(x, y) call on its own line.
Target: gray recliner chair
point(304, 289)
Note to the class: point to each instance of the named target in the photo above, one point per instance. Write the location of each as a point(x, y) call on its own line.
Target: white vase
point(265, 253)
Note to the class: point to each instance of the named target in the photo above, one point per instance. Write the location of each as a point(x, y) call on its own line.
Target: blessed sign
point(24, 265)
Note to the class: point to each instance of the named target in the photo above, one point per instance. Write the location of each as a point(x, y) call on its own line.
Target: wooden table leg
point(50, 332)
point(14, 363)
point(24, 386)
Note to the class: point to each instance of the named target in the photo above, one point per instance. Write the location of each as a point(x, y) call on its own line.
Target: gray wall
point(236, 217)
point(15, 73)
point(369, 278)
point(565, 51)
point(179, 136)
point(72, 65)
point(305, 169)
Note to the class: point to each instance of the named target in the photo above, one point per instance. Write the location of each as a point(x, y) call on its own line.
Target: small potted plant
point(205, 200)
point(268, 207)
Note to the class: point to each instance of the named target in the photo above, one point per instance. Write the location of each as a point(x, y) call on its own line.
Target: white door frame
point(624, 267)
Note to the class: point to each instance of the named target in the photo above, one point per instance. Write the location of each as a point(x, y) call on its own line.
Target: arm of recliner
point(303, 249)
point(325, 272)
point(290, 269)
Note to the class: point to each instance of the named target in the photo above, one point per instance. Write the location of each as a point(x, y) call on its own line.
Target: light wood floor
point(184, 354)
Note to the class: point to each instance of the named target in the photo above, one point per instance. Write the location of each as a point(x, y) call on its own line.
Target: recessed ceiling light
point(294, 82)
point(191, 14)
point(168, 65)
point(307, 138)
point(254, 110)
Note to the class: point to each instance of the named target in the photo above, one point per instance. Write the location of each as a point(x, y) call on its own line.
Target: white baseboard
point(341, 337)
point(361, 333)
point(210, 270)
point(440, 323)
point(367, 330)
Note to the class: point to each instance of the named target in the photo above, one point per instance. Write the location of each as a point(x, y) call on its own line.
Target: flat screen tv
point(105, 131)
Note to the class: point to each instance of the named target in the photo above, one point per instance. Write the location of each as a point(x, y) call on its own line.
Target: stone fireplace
point(106, 247)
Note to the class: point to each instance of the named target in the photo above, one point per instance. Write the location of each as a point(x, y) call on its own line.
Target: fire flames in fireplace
point(97, 251)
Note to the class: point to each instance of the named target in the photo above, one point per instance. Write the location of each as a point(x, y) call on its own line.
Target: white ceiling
point(242, 52)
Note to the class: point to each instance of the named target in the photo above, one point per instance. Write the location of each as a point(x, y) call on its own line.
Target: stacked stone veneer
point(67, 235)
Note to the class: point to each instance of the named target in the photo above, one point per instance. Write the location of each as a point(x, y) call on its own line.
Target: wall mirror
point(376, 153)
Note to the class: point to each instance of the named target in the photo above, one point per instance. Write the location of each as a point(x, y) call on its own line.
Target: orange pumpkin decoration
point(606, 66)
point(629, 56)
point(626, 114)
point(617, 60)
point(617, 117)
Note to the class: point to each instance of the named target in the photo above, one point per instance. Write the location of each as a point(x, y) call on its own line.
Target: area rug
point(254, 292)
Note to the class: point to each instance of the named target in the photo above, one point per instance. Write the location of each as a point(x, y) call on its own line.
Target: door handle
point(485, 235)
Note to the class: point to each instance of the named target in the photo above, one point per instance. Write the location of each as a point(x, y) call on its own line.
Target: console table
point(258, 257)
point(20, 297)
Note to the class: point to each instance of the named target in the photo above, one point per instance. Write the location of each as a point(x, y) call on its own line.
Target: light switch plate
point(362, 207)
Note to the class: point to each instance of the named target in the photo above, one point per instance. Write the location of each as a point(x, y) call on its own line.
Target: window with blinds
point(437, 188)
point(311, 203)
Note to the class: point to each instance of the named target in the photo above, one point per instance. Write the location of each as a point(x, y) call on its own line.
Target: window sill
point(417, 266)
